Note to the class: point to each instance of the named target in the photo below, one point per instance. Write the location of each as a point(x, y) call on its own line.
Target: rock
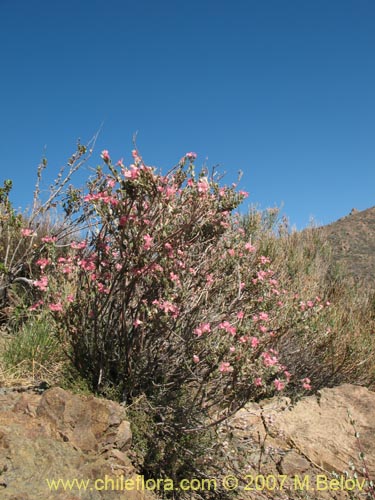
point(293, 464)
point(123, 436)
point(320, 429)
point(312, 439)
point(88, 423)
point(60, 435)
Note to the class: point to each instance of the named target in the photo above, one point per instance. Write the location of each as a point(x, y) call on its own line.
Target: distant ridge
point(353, 243)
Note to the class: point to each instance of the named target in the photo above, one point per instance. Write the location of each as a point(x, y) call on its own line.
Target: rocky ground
point(311, 441)
point(60, 435)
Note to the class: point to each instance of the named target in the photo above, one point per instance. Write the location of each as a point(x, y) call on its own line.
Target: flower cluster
point(145, 293)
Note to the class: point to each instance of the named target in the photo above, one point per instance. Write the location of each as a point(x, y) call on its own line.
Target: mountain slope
point(353, 242)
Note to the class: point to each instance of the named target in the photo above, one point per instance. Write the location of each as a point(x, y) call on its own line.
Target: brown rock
point(60, 436)
point(124, 436)
point(319, 427)
point(312, 438)
point(294, 464)
point(88, 423)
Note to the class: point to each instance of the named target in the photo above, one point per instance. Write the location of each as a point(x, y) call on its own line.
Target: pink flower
point(254, 342)
point(269, 360)
point(240, 314)
point(56, 307)
point(196, 358)
point(87, 265)
point(203, 185)
point(42, 284)
point(174, 277)
point(231, 252)
point(264, 260)
point(191, 155)
point(261, 275)
point(137, 322)
point(148, 241)
point(103, 289)
point(70, 298)
point(225, 367)
point(249, 247)
point(258, 382)
point(206, 327)
point(36, 305)
point(131, 174)
point(42, 263)
point(263, 316)
point(49, 239)
point(202, 328)
point(111, 182)
point(169, 191)
point(306, 384)
point(105, 155)
point(288, 375)
point(225, 325)
point(78, 246)
point(198, 331)
point(123, 220)
point(245, 194)
point(167, 307)
point(279, 385)
point(27, 232)
point(209, 279)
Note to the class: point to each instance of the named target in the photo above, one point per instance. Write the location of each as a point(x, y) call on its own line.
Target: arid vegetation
point(151, 290)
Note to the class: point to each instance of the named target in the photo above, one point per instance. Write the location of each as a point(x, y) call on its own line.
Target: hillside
point(353, 242)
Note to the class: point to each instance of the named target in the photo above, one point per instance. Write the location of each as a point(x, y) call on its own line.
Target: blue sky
point(283, 90)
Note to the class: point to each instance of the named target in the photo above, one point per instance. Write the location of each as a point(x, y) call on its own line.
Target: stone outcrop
point(59, 435)
point(314, 438)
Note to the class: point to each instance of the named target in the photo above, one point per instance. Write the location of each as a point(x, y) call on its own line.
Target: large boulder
point(89, 424)
point(64, 436)
point(320, 428)
point(312, 439)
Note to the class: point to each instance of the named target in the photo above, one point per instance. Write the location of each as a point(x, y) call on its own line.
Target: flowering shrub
point(165, 298)
point(167, 301)
point(26, 239)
